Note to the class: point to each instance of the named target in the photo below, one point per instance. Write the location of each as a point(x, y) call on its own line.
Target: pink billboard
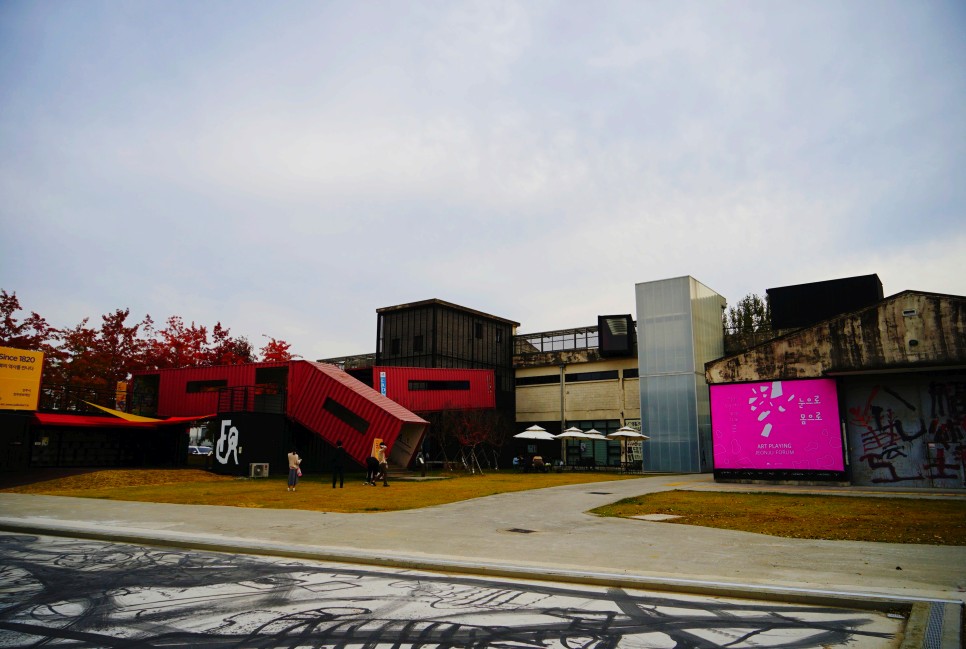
point(777, 425)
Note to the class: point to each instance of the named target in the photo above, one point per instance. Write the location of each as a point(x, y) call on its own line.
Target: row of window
point(576, 377)
point(555, 341)
point(195, 387)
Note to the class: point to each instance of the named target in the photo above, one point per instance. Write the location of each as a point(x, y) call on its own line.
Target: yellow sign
point(120, 397)
point(20, 372)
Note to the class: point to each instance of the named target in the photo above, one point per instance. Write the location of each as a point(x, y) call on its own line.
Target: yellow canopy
point(123, 415)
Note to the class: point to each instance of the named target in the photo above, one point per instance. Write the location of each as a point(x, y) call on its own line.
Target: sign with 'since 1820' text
point(20, 371)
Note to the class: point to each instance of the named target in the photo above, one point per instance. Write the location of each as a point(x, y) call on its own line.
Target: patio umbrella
point(573, 433)
point(593, 434)
point(536, 432)
point(625, 433)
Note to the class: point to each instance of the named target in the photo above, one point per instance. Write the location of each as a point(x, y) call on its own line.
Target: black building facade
point(434, 333)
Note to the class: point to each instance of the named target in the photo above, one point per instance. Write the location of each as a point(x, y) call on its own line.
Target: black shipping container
point(803, 305)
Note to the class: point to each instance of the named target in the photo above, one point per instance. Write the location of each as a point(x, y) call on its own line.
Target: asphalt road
point(85, 593)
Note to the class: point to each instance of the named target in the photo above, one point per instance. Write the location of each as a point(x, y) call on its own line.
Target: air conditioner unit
point(258, 470)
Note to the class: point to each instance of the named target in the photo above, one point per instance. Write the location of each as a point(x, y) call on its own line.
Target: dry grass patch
point(315, 492)
point(114, 479)
point(840, 518)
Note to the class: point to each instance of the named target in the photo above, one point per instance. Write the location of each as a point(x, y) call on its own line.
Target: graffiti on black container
point(906, 438)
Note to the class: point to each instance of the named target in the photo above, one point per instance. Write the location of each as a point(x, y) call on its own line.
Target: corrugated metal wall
point(314, 385)
point(174, 400)
point(320, 397)
point(403, 386)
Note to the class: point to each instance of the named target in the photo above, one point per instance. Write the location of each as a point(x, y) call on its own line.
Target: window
point(479, 329)
point(592, 376)
point(631, 374)
point(616, 335)
point(194, 387)
point(417, 386)
point(395, 346)
point(418, 343)
point(345, 415)
point(553, 341)
point(539, 380)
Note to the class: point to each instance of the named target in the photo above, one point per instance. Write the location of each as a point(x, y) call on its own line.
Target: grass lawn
point(840, 518)
point(315, 492)
point(855, 518)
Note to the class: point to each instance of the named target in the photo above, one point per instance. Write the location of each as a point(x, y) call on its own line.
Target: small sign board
point(20, 371)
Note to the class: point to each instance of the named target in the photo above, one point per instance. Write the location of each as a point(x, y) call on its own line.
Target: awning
point(139, 419)
point(86, 421)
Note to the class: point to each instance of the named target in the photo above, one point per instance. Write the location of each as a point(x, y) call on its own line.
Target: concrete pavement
point(544, 534)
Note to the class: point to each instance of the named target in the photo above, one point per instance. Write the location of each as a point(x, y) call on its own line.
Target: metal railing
point(76, 399)
point(555, 341)
point(251, 398)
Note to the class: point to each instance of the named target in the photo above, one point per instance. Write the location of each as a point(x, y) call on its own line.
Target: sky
point(286, 168)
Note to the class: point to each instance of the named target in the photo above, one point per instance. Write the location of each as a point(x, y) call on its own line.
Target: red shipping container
point(425, 389)
point(318, 396)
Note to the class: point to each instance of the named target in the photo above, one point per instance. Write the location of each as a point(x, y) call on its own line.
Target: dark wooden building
point(434, 333)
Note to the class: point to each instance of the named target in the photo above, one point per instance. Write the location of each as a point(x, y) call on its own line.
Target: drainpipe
point(563, 411)
point(563, 408)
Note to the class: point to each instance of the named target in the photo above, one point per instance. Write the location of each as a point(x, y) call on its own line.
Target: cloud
point(289, 170)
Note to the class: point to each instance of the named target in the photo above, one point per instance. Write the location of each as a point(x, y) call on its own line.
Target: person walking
point(372, 468)
point(293, 469)
point(338, 465)
point(383, 465)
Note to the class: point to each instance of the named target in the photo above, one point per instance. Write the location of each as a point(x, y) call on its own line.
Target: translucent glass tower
point(678, 330)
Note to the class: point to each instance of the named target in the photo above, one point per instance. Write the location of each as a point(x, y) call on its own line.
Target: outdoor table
point(631, 467)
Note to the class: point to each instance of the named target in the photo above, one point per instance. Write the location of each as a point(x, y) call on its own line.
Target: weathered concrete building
point(563, 379)
point(892, 376)
point(900, 371)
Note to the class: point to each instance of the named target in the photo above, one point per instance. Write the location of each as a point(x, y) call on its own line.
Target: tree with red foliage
point(33, 333)
point(177, 345)
point(97, 358)
point(226, 350)
point(276, 350)
point(77, 364)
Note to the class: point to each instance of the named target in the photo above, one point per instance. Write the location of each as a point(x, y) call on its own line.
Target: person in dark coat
point(372, 468)
point(338, 465)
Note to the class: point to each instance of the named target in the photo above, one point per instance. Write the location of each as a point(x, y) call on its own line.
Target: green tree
point(752, 313)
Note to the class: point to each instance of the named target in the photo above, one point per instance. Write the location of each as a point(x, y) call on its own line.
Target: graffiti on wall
point(913, 434)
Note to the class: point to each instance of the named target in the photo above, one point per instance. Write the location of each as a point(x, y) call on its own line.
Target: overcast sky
point(286, 168)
